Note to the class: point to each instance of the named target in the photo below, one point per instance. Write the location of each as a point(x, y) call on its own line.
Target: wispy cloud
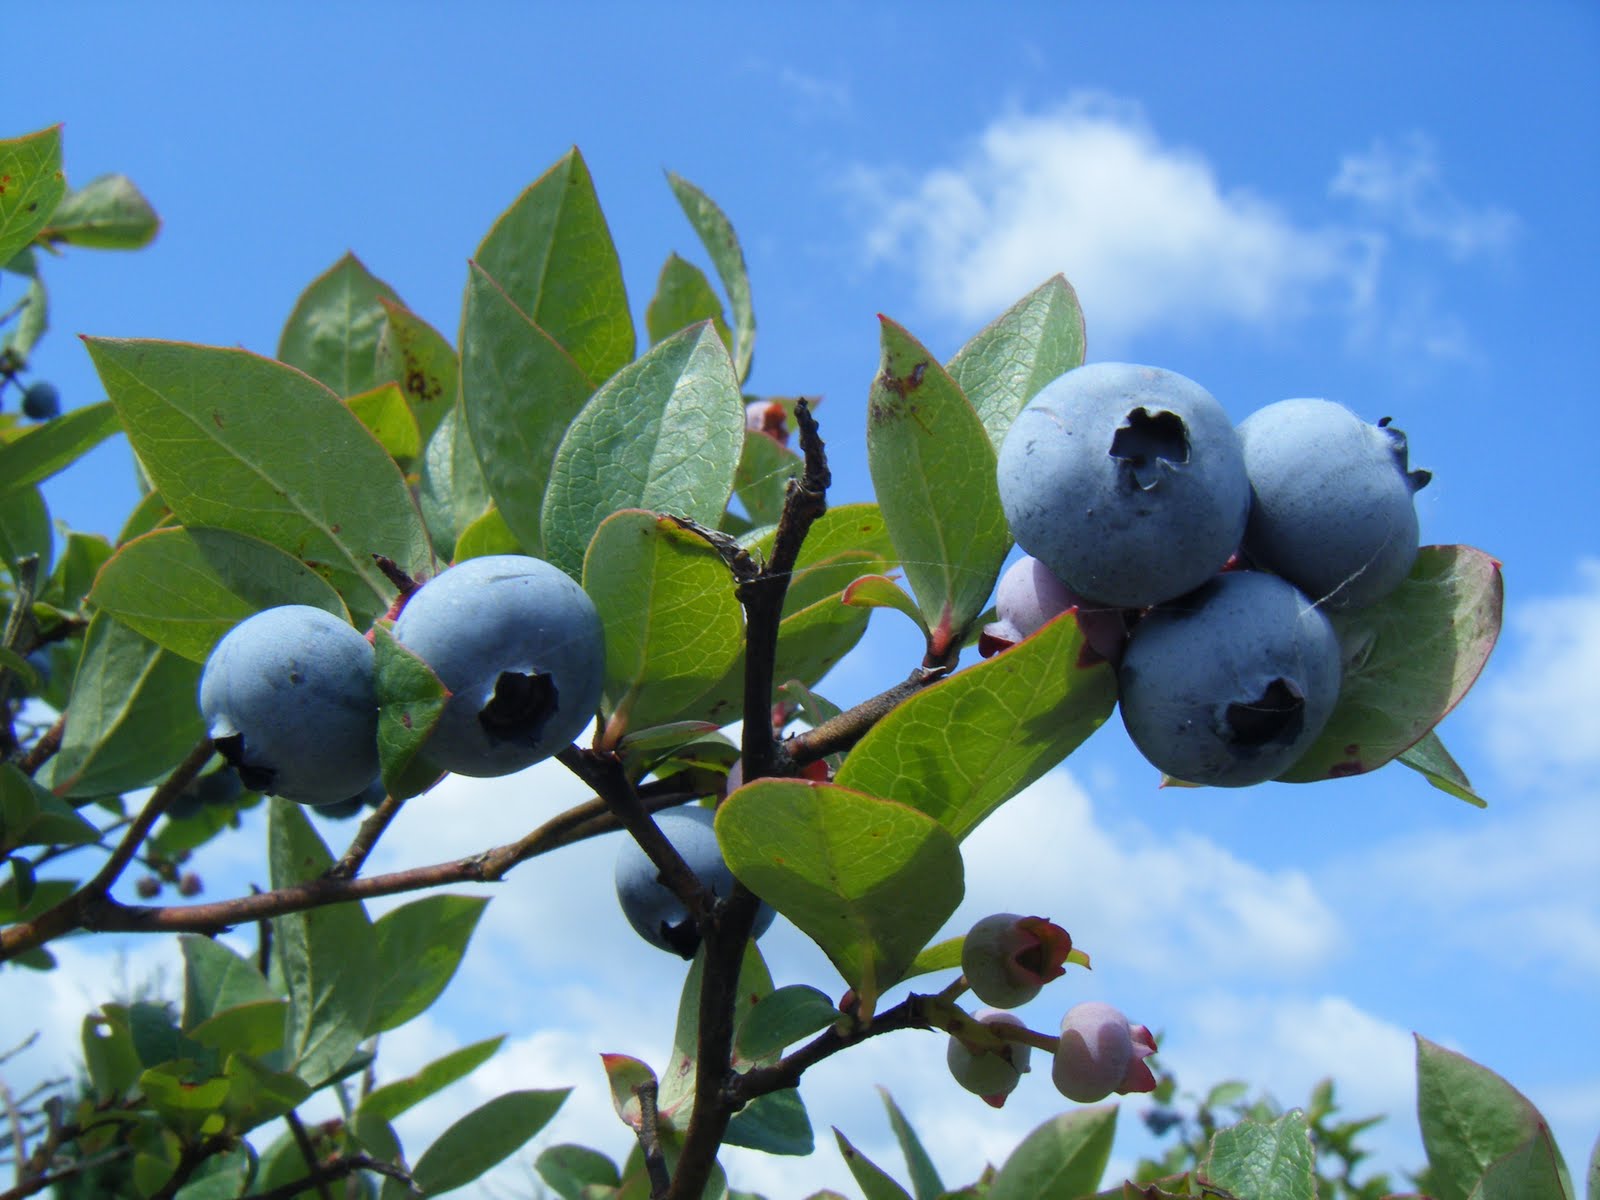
point(1153, 239)
point(1401, 183)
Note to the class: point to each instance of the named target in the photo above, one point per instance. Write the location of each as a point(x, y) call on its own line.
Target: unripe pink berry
point(1101, 1053)
point(990, 1074)
point(1007, 958)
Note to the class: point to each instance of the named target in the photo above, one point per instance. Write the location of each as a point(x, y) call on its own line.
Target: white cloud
point(1541, 710)
point(1145, 231)
point(1403, 185)
point(1155, 900)
point(1154, 240)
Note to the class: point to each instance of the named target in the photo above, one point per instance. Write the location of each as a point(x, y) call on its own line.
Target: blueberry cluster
point(289, 698)
point(1141, 505)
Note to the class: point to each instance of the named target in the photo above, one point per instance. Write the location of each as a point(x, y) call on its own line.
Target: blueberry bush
point(381, 557)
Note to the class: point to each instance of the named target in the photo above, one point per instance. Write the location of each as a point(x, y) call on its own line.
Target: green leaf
point(480, 1140)
point(74, 576)
point(520, 391)
point(1436, 764)
point(31, 186)
point(570, 1169)
point(107, 213)
point(675, 1100)
point(179, 1102)
point(329, 954)
point(333, 332)
point(940, 956)
point(1272, 1162)
point(664, 434)
point(925, 1180)
point(416, 356)
point(31, 816)
point(132, 716)
point(184, 589)
point(844, 544)
point(216, 979)
point(410, 702)
point(420, 945)
point(384, 411)
point(782, 1018)
point(624, 1076)
point(762, 480)
point(108, 1053)
point(25, 529)
point(1020, 713)
point(149, 514)
point(674, 627)
point(774, 1124)
point(868, 880)
point(1061, 1159)
point(487, 535)
point(452, 493)
point(553, 255)
point(684, 298)
point(716, 234)
point(933, 468)
point(875, 1183)
point(879, 591)
point(1471, 1118)
point(1006, 364)
point(55, 445)
point(261, 437)
point(1408, 660)
point(29, 320)
point(255, 1029)
point(1533, 1171)
point(257, 1094)
point(392, 1099)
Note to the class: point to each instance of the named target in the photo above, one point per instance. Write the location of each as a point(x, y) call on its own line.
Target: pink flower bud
point(1101, 1053)
point(1007, 958)
point(990, 1074)
point(768, 417)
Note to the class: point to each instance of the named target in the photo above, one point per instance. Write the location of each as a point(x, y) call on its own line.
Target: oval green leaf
point(552, 253)
point(333, 333)
point(185, 588)
point(31, 165)
point(933, 468)
point(1270, 1161)
point(1020, 713)
point(416, 356)
point(674, 627)
point(108, 213)
point(239, 442)
point(716, 234)
point(684, 298)
point(520, 390)
point(663, 434)
point(868, 880)
point(1008, 361)
point(1409, 660)
point(55, 445)
point(1062, 1158)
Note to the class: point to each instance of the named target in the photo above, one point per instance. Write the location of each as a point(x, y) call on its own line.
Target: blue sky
point(1389, 205)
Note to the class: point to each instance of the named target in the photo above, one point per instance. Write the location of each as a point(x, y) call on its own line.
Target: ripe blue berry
point(520, 647)
point(1333, 511)
point(41, 400)
point(1127, 482)
point(287, 696)
point(1229, 685)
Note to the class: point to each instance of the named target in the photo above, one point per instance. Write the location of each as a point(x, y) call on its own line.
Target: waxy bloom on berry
point(992, 1074)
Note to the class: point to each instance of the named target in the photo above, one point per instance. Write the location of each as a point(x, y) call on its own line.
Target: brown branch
point(655, 1159)
point(727, 934)
point(39, 1183)
point(308, 1152)
point(97, 911)
point(44, 749)
point(366, 839)
point(910, 1013)
point(849, 727)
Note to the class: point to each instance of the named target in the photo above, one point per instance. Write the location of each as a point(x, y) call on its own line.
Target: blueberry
point(1100, 1053)
point(991, 1074)
point(1229, 685)
point(41, 401)
point(1333, 511)
point(520, 647)
point(1127, 482)
point(650, 906)
point(287, 697)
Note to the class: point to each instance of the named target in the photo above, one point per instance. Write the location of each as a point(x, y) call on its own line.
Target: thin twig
point(308, 1152)
point(655, 1159)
